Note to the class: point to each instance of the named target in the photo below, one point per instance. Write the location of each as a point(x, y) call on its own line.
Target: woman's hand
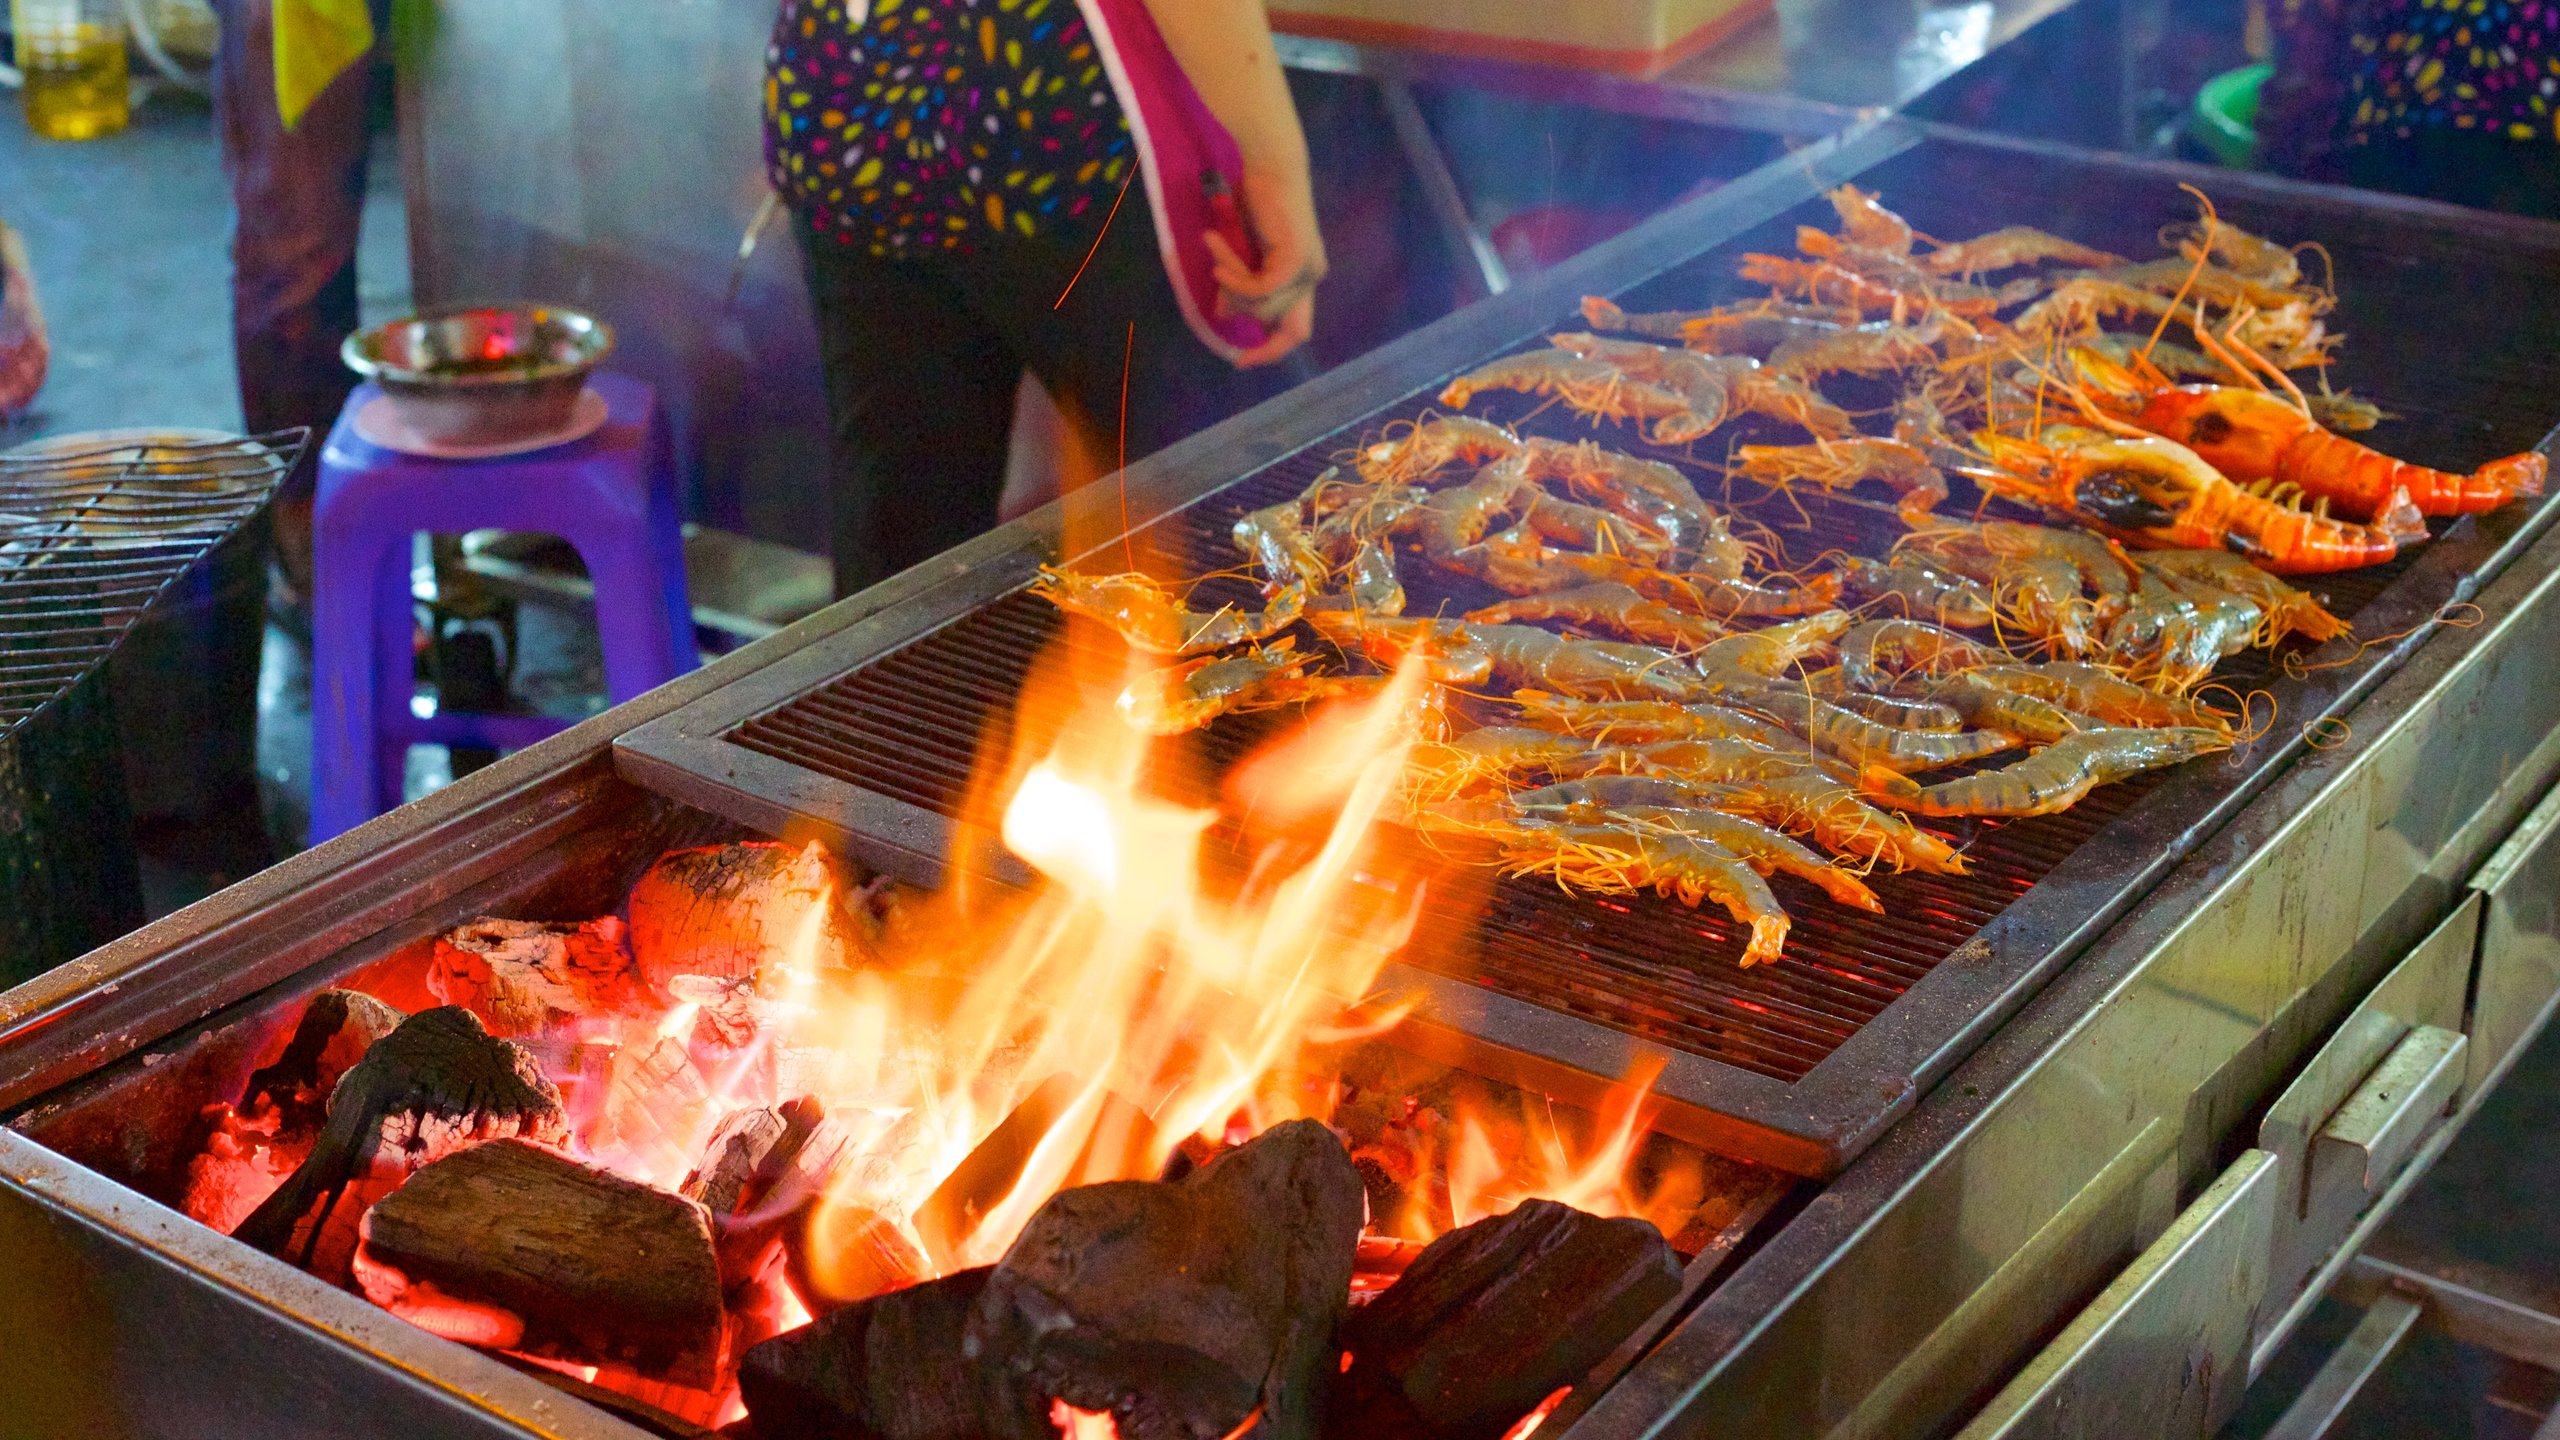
point(1224, 47)
point(1280, 213)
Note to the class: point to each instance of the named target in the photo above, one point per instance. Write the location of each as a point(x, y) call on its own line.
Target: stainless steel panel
point(2383, 1121)
point(2163, 1349)
point(2426, 989)
point(128, 1319)
point(2519, 939)
point(2489, 1310)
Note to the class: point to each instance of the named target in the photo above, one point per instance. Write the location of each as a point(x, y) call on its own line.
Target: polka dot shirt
point(938, 125)
point(2491, 66)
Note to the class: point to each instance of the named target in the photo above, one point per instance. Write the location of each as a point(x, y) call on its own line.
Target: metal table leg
point(1469, 246)
point(2343, 1375)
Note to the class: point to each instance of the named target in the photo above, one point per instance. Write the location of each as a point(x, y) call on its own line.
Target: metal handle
point(2392, 1110)
point(2163, 1350)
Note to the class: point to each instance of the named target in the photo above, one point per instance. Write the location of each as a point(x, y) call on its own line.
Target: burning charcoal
point(335, 1031)
point(761, 1172)
point(723, 910)
point(1181, 1308)
point(243, 1161)
point(438, 1083)
point(953, 1212)
point(890, 1368)
point(523, 977)
point(1493, 1318)
point(594, 1268)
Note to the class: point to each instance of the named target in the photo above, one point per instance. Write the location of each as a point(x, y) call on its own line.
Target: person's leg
point(1117, 321)
point(919, 405)
point(298, 202)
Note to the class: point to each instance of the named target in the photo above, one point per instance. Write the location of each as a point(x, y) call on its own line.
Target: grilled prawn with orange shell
point(2155, 493)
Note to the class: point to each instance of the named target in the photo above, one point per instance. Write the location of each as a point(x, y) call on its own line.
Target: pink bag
point(1190, 163)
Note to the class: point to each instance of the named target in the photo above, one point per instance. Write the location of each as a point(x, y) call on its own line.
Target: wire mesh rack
point(93, 529)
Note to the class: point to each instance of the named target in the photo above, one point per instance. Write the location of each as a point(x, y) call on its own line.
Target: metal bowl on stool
point(489, 375)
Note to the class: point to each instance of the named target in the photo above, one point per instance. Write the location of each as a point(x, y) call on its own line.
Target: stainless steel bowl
point(489, 375)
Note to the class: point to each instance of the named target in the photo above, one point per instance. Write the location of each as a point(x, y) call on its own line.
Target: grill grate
point(909, 724)
point(90, 536)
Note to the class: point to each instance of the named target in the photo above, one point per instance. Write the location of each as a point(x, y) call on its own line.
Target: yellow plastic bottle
point(72, 54)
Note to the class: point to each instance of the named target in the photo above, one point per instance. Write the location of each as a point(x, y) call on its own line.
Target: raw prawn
point(2173, 638)
point(1841, 822)
point(2037, 585)
point(2010, 247)
point(1190, 693)
point(1907, 645)
point(2101, 695)
point(2055, 777)
point(1434, 445)
point(1867, 224)
point(1879, 348)
point(1994, 707)
point(1647, 491)
point(1514, 657)
point(1755, 326)
point(1641, 722)
point(1840, 464)
point(2154, 492)
point(1856, 740)
point(1920, 591)
point(1145, 613)
point(1612, 607)
point(1590, 386)
point(1618, 862)
point(1717, 762)
point(1764, 654)
point(1893, 710)
point(2288, 611)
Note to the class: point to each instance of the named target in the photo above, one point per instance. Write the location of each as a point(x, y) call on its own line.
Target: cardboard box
point(1630, 37)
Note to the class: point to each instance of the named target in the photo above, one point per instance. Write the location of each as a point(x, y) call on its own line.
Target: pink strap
point(1185, 156)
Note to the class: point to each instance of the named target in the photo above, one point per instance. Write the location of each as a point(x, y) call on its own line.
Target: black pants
point(923, 355)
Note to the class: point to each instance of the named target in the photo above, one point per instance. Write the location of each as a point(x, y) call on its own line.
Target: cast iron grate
point(910, 724)
point(90, 536)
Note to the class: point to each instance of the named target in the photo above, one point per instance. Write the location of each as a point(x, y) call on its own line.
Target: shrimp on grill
point(1190, 693)
point(1842, 463)
point(1590, 386)
point(2251, 435)
point(1995, 707)
point(1907, 645)
point(1613, 607)
point(1146, 614)
point(1752, 327)
point(2055, 777)
point(2036, 585)
point(2156, 493)
point(1919, 591)
point(1647, 491)
point(1878, 348)
point(1721, 762)
point(2244, 254)
point(1866, 223)
point(1717, 384)
point(1513, 657)
point(1893, 710)
point(2102, 695)
point(1853, 739)
point(1612, 861)
point(1435, 444)
point(2008, 249)
point(1521, 565)
point(2173, 637)
point(1842, 823)
point(1755, 656)
point(1642, 722)
point(1761, 847)
point(2288, 611)
point(1276, 538)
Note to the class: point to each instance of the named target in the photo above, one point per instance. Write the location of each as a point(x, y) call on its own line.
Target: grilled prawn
point(1590, 386)
point(1614, 861)
point(1513, 657)
point(1840, 464)
point(2154, 492)
point(1614, 608)
point(1190, 693)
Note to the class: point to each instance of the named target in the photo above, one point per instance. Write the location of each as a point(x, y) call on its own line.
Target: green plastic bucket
point(2226, 119)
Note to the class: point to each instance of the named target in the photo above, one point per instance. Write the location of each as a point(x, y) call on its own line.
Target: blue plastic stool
point(611, 495)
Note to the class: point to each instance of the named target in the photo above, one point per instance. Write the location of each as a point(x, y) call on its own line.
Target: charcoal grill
point(90, 534)
point(2160, 974)
point(1799, 1064)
